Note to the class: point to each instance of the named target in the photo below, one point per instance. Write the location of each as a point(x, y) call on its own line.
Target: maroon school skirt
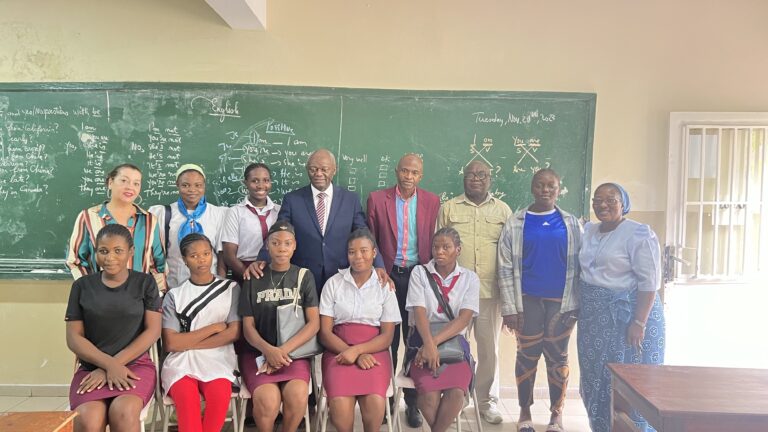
point(298, 369)
point(350, 380)
point(455, 375)
point(143, 367)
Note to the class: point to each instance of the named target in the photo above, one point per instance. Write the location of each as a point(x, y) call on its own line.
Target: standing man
point(402, 219)
point(479, 219)
point(323, 216)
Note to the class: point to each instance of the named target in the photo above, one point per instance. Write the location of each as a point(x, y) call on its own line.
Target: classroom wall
point(643, 59)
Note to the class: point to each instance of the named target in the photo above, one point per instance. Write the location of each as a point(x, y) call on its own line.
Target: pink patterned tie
point(320, 210)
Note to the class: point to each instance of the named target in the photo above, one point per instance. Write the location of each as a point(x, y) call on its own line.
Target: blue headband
point(626, 205)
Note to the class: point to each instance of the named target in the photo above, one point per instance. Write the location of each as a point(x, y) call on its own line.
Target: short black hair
point(253, 166)
point(361, 233)
point(115, 230)
point(546, 171)
point(450, 233)
point(188, 239)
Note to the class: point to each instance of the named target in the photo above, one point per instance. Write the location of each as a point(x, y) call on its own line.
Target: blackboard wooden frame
point(25, 267)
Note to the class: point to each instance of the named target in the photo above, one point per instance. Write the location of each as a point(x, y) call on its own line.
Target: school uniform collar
point(266, 209)
point(347, 276)
point(458, 270)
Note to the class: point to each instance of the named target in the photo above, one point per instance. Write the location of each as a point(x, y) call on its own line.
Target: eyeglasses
point(480, 175)
point(609, 201)
point(324, 170)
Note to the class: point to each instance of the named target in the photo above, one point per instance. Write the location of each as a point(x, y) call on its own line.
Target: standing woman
point(269, 373)
point(357, 324)
point(200, 322)
point(191, 213)
point(247, 223)
point(123, 188)
point(538, 267)
point(621, 319)
point(441, 388)
point(113, 317)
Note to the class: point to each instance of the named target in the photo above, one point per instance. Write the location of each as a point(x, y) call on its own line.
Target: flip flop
point(525, 426)
point(554, 427)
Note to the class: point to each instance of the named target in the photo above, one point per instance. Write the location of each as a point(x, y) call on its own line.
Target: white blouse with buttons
point(464, 295)
point(370, 304)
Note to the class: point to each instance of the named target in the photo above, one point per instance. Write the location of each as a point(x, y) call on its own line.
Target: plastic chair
point(323, 411)
point(404, 382)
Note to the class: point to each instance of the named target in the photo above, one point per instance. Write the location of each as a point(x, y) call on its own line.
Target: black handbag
point(451, 350)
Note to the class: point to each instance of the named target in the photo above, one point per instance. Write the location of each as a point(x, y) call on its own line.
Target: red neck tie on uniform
point(444, 290)
point(320, 210)
point(262, 222)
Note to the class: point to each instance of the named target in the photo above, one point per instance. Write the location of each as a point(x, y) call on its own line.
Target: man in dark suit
point(323, 216)
point(402, 219)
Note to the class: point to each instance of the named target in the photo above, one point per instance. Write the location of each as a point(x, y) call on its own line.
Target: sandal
point(554, 427)
point(525, 426)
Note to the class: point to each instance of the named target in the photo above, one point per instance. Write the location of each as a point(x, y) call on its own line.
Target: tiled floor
point(575, 419)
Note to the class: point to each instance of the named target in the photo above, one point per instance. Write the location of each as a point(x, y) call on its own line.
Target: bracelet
point(640, 323)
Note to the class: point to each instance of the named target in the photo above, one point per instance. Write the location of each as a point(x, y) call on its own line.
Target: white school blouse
point(626, 258)
point(212, 221)
point(242, 227)
point(200, 364)
point(370, 304)
point(464, 295)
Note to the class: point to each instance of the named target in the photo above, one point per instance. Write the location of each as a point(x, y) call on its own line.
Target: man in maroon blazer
point(402, 218)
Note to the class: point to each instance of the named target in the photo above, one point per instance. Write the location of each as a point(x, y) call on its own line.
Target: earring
point(138, 200)
point(109, 194)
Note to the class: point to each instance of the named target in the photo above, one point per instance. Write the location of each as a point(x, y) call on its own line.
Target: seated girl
point(200, 322)
point(357, 323)
point(272, 377)
point(441, 387)
point(113, 318)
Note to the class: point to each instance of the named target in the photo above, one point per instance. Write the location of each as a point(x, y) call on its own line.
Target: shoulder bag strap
point(297, 290)
point(440, 299)
point(167, 227)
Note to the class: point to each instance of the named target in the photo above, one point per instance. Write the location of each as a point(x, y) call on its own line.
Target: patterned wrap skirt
point(350, 380)
point(602, 338)
point(143, 367)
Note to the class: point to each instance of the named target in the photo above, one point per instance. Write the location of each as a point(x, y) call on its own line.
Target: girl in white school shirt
point(248, 222)
point(191, 213)
point(441, 388)
point(357, 324)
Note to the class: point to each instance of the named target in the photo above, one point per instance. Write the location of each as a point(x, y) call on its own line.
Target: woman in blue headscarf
point(191, 213)
point(621, 318)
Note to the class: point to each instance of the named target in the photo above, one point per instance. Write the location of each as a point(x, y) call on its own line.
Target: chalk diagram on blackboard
point(272, 142)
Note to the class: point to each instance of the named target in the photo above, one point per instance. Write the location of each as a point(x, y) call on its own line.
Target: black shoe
point(413, 416)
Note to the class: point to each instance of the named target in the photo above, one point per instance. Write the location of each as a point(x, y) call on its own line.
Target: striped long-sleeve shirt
point(148, 256)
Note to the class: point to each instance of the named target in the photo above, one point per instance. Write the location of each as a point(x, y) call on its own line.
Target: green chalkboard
point(57, 141)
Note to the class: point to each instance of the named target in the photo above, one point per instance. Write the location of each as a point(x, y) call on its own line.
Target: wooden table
point(37, 421)
point(690, 399)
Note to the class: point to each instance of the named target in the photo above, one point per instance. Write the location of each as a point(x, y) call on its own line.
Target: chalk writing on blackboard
point(222, 111)
point(511, 119)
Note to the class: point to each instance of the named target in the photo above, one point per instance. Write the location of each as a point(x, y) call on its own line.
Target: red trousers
point(186, 396)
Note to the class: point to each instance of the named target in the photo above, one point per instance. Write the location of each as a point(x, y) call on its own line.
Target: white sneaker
point(492, 415)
